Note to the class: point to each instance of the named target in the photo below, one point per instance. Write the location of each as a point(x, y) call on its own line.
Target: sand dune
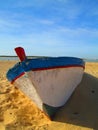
point(17, 112)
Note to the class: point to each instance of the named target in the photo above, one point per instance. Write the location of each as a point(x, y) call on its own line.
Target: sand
point(17, 112)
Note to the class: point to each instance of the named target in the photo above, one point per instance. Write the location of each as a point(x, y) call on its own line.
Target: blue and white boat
point(49, 82)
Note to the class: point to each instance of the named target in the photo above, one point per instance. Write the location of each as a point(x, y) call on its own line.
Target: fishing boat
point(47, 81)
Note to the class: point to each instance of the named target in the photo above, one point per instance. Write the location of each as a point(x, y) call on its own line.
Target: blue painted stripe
point(15, 72)
point(51, 62)
point(40, 63)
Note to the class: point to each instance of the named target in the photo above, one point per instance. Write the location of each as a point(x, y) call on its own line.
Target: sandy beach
point(17, 112)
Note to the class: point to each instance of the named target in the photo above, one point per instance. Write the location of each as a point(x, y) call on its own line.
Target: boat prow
point(49, 82)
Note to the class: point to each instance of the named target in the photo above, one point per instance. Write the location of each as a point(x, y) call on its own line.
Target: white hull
point(51, 86)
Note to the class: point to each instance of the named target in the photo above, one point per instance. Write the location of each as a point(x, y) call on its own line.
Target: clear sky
point(49, 27)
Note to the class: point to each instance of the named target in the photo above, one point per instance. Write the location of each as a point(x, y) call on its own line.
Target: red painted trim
point(17, 77)
point(39, 69)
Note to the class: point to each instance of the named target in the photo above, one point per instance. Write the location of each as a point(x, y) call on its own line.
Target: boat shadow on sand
point(82, 107)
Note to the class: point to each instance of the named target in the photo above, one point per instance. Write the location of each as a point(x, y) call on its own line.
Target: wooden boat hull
point(48, 83)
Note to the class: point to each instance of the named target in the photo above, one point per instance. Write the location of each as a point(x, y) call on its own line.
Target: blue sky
point(50, 27)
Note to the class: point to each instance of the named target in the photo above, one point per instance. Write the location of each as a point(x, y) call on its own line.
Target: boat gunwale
point(43, 69)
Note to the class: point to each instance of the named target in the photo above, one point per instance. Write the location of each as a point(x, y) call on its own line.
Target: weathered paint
point(56, 86)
